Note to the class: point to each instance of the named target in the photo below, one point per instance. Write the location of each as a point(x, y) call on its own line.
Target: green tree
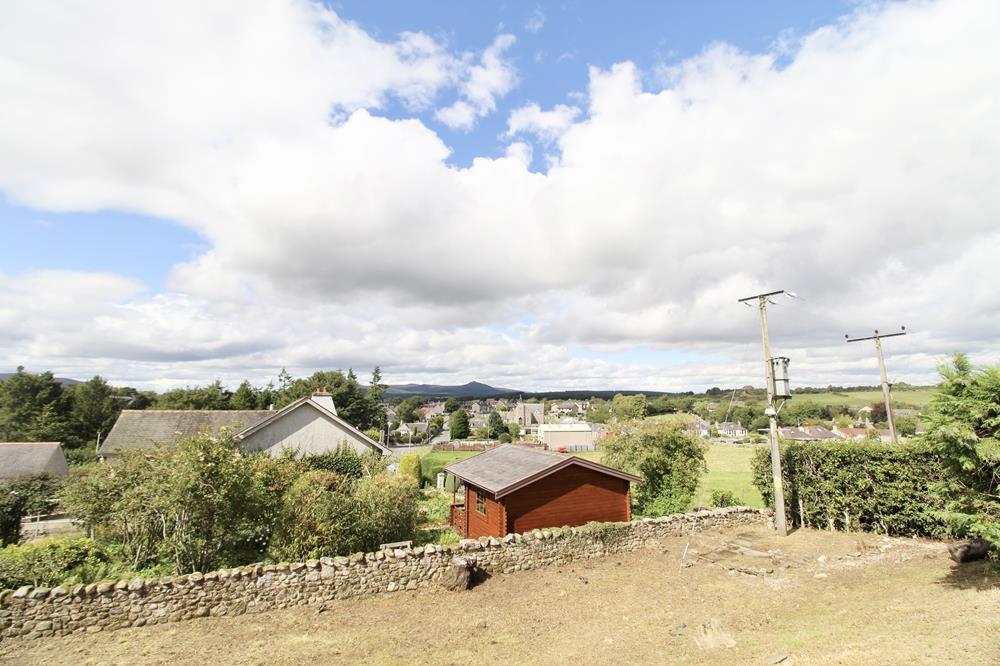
point(375, 408)
point(213, 396)
point(93, 411)
point(964, 418)
point(627, 407)
point(514, 430)
point(452, 405)
point(495, 426)
point(246, 397)
point(406, 411)
point(33, 408)
point(669, 458)
point(459, 424)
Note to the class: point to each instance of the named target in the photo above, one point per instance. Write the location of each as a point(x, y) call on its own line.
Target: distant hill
point(470, 390)
point(61, 380)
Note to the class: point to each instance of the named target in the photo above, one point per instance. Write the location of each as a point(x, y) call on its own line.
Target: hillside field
point(910, 397)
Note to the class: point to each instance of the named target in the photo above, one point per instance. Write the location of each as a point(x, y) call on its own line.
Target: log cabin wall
point(492, 523)
point(572, 496)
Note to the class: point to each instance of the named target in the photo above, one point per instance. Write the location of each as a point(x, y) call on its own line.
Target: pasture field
point(917, 397)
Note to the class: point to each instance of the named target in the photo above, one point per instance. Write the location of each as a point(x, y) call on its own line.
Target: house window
point(480, 503)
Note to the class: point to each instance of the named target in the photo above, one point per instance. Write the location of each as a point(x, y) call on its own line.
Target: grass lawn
point(728, 469)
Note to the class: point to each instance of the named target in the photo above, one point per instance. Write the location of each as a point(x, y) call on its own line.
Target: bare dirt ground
point(737, 597)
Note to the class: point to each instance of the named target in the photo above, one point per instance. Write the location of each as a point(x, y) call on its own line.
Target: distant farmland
point(902, 397)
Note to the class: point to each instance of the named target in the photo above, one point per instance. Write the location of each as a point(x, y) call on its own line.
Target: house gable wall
point(304, 430)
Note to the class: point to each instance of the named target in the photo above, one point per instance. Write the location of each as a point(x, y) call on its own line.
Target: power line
point(886, 386)
point(772, 413)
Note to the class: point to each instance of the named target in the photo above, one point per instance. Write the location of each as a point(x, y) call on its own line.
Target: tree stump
point(969, 551)
point(459, 574)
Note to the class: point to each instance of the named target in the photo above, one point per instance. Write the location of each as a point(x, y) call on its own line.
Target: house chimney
point(324, 398)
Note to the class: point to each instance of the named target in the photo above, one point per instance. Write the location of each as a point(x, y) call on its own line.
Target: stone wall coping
point(343, 563)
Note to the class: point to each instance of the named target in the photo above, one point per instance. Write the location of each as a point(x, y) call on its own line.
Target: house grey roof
point(148, 428)
point(19, 459)
point(507, 468)
point(806, 433)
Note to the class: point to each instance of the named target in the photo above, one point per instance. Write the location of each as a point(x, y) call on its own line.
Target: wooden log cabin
point(513, 489)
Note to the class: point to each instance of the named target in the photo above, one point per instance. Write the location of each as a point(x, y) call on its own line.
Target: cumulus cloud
point(483, 83)
point(858, 172)
point(546, 125)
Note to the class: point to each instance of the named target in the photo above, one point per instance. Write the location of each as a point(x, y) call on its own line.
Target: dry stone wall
point(40, 612)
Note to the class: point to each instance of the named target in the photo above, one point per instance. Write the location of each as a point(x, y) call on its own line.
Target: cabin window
point(480, 503)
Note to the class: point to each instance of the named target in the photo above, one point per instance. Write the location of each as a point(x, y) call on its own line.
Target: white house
point(308, 426)
point(567, 436)
point(730, 429)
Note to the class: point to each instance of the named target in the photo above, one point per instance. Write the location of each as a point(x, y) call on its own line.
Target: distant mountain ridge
point(469, 390)
point(60, 380)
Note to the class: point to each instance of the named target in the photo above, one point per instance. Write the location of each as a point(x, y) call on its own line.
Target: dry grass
point(870, 601)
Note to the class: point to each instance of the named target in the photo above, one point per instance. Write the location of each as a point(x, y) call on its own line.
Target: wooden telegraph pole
point(886, 386)
point(771, 411)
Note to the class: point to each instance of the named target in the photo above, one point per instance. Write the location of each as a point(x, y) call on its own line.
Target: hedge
point(857, 486)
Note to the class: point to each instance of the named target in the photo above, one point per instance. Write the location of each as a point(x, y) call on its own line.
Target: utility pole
point(886, 387)
point(771, 411)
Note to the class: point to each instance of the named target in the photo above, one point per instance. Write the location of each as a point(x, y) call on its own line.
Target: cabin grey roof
point(507, 468)
point(148, 428)
point(19, 459)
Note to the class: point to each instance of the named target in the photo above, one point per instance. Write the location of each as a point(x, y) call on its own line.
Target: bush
point(724, 498)
point(856, 486)
point(13, 507)
point(669, 458)
point(409, 468)
point(964, 432)
point(327, 514)
point(51, 562)
point(192, 507)
point(344, 460)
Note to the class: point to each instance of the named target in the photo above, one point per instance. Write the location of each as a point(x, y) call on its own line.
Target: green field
point(728, 469)
point(901, 397)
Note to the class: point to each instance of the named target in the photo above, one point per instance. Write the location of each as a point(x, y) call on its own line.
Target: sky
point(540, 196)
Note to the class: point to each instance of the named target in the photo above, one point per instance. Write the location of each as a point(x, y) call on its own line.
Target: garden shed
point(513, 489)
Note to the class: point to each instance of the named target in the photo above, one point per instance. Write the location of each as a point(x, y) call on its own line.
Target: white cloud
point(536, 21)
point(547, 125)
point(860, 173)
point(492, 78)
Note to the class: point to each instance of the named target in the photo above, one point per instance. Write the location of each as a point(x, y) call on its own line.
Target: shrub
point(724, 498)
point(409, 467)
point(669, 458)
point(856, 485)
point(964, 432)
point(40, 492)
point(191, 507)
point(50, 562)
point(328, 514)
point(13, 507)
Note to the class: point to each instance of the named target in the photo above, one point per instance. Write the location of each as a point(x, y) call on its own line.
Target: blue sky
point(535, 195)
